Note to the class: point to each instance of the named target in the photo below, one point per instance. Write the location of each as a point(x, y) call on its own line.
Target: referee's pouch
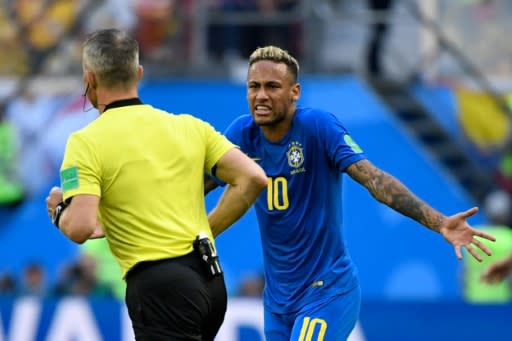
point(204, 248)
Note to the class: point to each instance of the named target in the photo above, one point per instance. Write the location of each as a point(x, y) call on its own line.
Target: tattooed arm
point(390, 191)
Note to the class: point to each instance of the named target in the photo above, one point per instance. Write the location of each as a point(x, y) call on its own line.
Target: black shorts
point(175, 299)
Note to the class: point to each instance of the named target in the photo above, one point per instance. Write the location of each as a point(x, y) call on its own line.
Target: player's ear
point(140, 72)
point(296, 92)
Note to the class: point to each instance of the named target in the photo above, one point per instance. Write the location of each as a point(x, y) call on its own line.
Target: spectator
point(228, 41)
point(79, 279)
point(286, 35)
point(29, 113)
point(13, 59)
point(155, 20)
point(252, 286)
point(44, 24)
point(113, 13)
point(224, 40)
point(379, 28)
point(34, 281)
point(7, 285)
point(11, 190)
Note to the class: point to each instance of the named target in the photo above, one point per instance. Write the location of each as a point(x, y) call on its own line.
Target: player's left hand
point(456, 230)
point(53, 199)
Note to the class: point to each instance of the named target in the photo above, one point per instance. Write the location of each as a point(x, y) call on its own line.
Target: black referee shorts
point(175, 300)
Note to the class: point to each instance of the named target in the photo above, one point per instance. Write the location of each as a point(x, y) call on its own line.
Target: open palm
point(456, 230)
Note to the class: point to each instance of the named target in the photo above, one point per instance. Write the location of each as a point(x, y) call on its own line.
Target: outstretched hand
point(456, 230)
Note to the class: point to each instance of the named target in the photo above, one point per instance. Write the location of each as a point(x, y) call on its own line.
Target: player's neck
point(275, 133)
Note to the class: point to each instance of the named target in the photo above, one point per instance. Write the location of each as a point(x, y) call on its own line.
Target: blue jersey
point(300, 213)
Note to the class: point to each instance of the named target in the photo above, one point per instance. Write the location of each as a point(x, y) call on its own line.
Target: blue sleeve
point(341, 148)
point(233, 134)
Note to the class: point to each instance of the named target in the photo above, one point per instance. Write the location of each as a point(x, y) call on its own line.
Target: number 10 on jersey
point(277, 193)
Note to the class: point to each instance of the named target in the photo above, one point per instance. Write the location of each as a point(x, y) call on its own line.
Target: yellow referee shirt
point(148, 168)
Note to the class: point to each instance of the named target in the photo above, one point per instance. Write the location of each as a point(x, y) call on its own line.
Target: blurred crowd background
point(404, 50)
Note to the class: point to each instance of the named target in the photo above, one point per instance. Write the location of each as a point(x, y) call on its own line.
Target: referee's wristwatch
point(57, 213)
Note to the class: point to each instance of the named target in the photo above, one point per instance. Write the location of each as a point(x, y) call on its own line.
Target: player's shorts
point(175, 299)
point(329, 319)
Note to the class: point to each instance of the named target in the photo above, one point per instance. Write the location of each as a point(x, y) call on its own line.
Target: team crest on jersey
point(295, 155)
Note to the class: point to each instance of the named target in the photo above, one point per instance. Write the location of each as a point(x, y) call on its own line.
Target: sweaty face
point(271, 93)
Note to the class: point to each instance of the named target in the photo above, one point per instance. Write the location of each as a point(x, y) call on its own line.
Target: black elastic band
point(57, 213)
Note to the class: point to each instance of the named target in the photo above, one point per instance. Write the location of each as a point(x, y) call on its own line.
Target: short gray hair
point(277, 55)
point(112, 55)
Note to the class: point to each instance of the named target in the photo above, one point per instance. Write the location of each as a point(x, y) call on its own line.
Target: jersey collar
point(123, 103)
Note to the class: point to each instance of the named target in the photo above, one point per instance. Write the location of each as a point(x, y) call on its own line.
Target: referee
point(135, 176)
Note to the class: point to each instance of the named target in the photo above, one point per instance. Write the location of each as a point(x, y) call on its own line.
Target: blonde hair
point(276, 55)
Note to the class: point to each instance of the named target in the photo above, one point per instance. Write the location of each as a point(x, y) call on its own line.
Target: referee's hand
point(53, 199)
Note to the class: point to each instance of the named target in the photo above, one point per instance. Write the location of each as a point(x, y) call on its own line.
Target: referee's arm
point(245, 179)
point(79, 221)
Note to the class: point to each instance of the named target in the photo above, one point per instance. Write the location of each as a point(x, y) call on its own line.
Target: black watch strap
point(57, 213)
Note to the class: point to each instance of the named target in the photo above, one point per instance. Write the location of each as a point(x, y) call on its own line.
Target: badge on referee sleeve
point(69, 178)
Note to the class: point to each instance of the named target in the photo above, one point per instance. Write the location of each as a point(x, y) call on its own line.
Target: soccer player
point(135, 175)
point(312, 291)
